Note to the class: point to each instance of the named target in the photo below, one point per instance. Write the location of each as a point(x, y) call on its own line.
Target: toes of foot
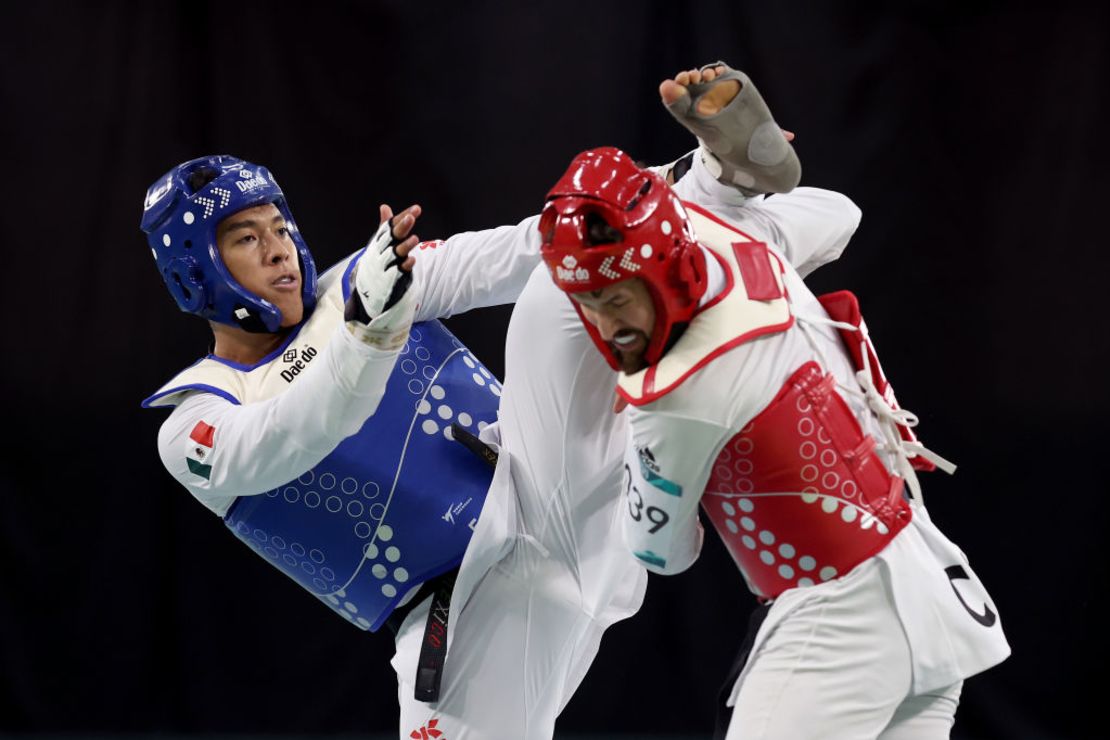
point(671, 91)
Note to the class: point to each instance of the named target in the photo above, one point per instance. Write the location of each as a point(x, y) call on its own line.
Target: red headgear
point(656, 242)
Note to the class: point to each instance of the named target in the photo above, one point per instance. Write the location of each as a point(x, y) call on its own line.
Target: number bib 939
point(650, 520)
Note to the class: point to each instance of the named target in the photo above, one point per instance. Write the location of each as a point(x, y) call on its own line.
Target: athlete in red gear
point(749, 398)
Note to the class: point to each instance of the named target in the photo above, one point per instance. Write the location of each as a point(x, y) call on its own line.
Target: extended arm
point(475, 269)
point(810, 226)
point(256, 447)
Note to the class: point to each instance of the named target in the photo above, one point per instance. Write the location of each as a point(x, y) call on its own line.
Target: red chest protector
point(799, 495)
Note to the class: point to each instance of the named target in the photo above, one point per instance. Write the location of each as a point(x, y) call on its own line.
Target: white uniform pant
point(521, 647)
point(837, 666)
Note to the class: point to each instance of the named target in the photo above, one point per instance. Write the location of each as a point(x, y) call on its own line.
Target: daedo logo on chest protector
point(297, 361)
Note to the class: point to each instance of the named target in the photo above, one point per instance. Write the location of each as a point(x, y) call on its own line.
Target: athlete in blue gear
point(271, 430)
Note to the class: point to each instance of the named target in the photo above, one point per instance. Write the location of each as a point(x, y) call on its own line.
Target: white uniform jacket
point(702, 395)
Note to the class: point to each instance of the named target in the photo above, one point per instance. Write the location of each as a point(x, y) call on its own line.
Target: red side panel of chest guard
point(799, 495)
point(843, 306)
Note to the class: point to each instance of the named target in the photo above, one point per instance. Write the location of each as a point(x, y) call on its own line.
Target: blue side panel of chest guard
point(393, 505)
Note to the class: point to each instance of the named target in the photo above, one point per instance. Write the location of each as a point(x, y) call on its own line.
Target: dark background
point(971, 134)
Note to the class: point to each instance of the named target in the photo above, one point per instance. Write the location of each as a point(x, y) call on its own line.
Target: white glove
point(381, 307)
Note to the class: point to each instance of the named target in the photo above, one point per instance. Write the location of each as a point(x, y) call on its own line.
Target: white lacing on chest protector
point(890, 418)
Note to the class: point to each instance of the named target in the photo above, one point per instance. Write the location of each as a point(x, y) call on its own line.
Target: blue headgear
point(180, 224)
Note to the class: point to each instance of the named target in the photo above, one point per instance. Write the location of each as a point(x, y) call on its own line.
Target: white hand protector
point(381, 307)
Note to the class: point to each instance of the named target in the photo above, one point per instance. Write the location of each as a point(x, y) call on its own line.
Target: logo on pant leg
point(987, 618)
point(428, 731)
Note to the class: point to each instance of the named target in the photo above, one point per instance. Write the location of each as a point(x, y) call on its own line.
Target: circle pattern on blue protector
point(382, 562)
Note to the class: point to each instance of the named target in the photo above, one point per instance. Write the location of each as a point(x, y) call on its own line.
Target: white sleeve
point(475, 269)
point(258, 446)
point(666, 467)
point(810, 226)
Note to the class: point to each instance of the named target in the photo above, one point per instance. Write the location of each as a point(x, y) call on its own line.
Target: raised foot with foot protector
point(741, 144)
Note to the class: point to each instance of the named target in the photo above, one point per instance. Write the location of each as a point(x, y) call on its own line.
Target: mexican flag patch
point(199, 450)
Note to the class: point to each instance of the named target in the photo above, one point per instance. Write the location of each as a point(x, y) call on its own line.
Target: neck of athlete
point(244, 347)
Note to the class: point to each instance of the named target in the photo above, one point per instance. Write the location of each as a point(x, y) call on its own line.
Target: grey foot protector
point(741, 144)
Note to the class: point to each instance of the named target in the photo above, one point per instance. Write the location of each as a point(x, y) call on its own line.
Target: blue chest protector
point(394, 504)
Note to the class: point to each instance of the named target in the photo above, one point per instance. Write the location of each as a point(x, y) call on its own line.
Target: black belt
point(433, 650)
point(475, 445)
point(433, 647)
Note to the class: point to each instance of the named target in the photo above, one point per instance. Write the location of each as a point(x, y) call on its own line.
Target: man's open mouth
point(286, 282)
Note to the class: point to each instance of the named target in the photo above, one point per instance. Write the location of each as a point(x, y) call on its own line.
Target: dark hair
point(201, 176)
point(599, 231)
